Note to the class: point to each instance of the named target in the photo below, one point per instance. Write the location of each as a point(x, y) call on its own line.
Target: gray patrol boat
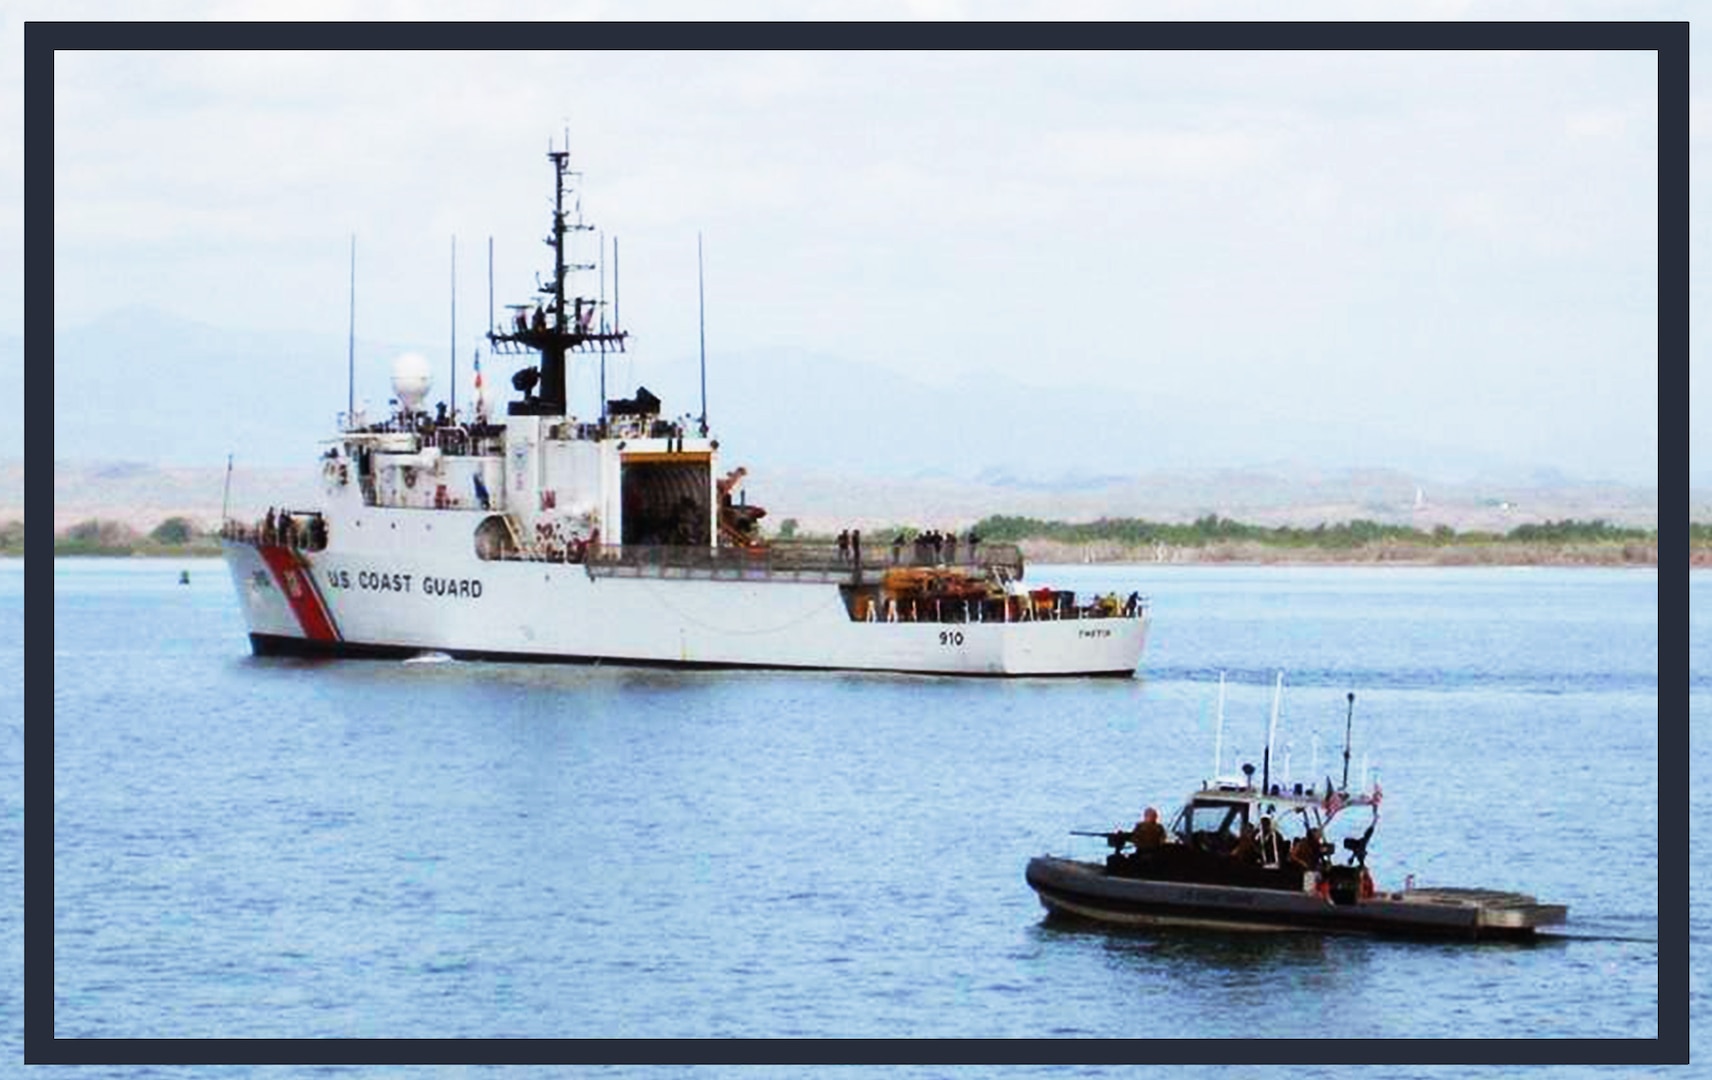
point(1247, 856)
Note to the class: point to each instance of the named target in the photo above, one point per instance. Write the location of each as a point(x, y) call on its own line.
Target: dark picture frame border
point(1668, 40)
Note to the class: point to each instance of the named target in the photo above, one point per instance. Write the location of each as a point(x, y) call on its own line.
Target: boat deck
point(1495, 909)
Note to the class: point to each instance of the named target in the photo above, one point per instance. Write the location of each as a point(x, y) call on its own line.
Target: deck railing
point(800, 559)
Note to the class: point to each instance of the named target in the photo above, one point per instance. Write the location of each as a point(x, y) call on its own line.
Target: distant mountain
point(145, 387)
point(141, 386)
point(145, 495)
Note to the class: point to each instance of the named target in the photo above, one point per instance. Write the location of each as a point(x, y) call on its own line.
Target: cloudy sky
point(1453, 247)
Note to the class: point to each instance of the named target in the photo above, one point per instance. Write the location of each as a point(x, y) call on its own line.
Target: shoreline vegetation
point(1215, 539)
point(1211, 539)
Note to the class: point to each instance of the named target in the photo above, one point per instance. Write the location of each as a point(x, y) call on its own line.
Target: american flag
point(1377, 793)
point(1333, 802)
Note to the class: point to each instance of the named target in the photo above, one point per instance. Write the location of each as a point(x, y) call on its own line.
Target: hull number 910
point(951, 637)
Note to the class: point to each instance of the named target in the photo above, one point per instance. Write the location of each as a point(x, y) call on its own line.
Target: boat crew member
point(1269, 843)
point(1306, 852)
point(1247, 847)
point(897, 548)
point(267, 528)
point(1148, 833)
point(843, 544)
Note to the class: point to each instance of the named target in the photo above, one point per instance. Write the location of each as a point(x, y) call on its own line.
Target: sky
point(1452, 248)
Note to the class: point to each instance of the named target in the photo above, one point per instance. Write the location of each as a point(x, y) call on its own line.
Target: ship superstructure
point(545, 535)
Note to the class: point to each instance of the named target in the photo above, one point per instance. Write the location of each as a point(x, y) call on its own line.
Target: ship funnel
point(411, 380)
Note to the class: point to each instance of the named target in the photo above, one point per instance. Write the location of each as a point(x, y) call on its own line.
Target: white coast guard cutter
point(545, 535)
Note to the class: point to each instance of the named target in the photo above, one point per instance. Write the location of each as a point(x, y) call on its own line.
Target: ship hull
point(1084, 891)
point(416, 595)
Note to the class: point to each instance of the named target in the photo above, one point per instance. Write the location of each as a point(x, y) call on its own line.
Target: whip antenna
point(226, 498)
point(1348, 719)
point(351, 355)
point(454, 340)
point(1219, 730)
point(701, 318)
point(1271, 732)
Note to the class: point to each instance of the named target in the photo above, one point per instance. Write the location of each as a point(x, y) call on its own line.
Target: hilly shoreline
point(1459, 525)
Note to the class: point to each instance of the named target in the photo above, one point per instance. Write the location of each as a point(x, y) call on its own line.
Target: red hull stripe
point(292, 575)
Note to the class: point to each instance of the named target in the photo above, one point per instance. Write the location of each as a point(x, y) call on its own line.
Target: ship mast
point(545, 390)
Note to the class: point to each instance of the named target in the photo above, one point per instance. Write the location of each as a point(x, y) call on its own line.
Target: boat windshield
point(1211, 825)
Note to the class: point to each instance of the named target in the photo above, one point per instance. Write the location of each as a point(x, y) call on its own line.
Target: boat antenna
point(454, 340)
point(226, 497)
point(600, 241)
point(1219, 730)
point(701, 318)
point(351, 354)
point(614, 327)
point(490, 284)
point(1271, 732)
point(1348, 719)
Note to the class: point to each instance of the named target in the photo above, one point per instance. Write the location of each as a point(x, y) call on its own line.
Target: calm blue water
point(291, 849)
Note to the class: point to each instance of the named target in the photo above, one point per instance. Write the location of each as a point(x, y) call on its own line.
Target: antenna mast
point(566, 331)
point(701, 318)
point(1219, 730)
point(351, 354)
point(1271, 733)
point(1348, 719)
point(454, 341)
point(226, 497)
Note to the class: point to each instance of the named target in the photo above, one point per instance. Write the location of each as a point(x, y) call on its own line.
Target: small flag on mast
point(1333, 802)
point(481, 394)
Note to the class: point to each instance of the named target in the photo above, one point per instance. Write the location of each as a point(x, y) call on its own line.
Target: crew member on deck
point(1269, 843)
point(1306, 851)
point(1247, 848)
point(1148, 833)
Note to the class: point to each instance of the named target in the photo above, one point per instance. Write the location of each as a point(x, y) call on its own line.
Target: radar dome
point(411, 380)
